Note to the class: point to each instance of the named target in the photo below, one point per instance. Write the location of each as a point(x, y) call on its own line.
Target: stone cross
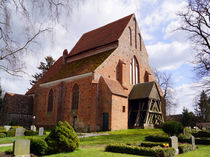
point(21, 148)
point(174, 143)
point(41, 131)
point(193, 142)
point(33, 127)
point(19, 132)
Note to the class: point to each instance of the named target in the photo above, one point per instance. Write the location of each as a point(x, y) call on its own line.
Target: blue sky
point(168, 50)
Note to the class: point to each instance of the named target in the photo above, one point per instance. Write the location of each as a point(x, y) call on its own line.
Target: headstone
point(19, 132)
point(193, 142)
point(190, 129)
point(174, 143)
point(21, 148)
point(41, 131)
point(7, 127)
point(203, 128)
point(33, 127)
point(184, 131)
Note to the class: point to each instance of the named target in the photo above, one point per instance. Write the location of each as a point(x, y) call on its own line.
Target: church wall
point(119, 113)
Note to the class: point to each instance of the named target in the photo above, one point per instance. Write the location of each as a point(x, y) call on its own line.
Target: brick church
point(104, 83)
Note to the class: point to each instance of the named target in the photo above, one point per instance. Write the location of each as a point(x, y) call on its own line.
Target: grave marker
point(19, 132)
point(174, 143)
point(41, 131)
point(21, 148)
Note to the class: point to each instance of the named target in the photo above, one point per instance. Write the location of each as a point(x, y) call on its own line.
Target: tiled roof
point(60, 71)
point(144, 90)
point(101, 36)
point(115, 87)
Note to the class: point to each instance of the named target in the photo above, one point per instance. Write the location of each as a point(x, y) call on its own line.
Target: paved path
point(81, 136)
point(8, 144)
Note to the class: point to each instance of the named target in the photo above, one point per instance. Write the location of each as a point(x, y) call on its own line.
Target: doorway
point(105, 121)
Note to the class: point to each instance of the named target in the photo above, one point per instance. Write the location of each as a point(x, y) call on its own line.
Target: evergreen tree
point(44, 67)
point(203, 107)
point(188, 118)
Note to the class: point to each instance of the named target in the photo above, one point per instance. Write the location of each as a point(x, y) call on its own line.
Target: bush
point(201, 134)
point(38, 147)
point(183, 148)
point(144, 151)
point(2, 135)
point(151, 144)
point(62, 138)
point(3, 130)
point(11, 133)
point(157, 138)
point(172, 128)
point(30, 133)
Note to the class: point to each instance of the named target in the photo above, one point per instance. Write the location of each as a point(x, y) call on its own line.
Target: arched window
point(134, 71)
point(75, 97)
point(50, 101)
point(130, 31)
point(140, 42)
point(135, 33)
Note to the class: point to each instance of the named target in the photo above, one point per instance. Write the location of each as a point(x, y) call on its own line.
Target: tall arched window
point(50, 101)
point(130, 31)
point(134, 71)
point(75, 97)
point(135, 33)
point(140, 42)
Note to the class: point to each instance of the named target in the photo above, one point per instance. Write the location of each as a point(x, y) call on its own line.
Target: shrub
point(201, 134)
point(183, 148)
point(11, 133)
point(172, 128)
point(151, 144)
point(30, 133)
point(38, 146)
point(144, 151)
point(3, 130)
point(2, 135)
point(62, 138)
point(157, 138)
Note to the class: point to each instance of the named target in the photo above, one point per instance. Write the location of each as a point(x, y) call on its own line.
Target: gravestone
point(7, 127)
point(41, 131)
point(174, 143)
point(21, 148)
point(193, 142)
point(203, 128)
point(184, 131)
point(33, 127)
point(19, 132)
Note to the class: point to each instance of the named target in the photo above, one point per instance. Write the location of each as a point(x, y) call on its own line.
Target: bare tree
point(34, 17)
point(195, 20)
point(165, 82)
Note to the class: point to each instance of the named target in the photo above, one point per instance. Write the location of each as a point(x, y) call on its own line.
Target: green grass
point(7, 148)
point(95, 146)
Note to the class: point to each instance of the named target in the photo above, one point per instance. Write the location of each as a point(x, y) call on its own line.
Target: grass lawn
point(95, 146)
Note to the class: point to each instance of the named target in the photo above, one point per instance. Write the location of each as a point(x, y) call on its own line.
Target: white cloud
point(168, 56)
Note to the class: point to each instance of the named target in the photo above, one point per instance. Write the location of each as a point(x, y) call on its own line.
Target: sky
point(169, 50)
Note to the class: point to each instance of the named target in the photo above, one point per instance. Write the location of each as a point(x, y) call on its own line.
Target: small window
point(123, 109)
point(50, 101)
point(75, 97)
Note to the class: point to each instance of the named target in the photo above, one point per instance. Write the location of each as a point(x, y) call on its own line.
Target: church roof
point(145, 90)
point(115, 87)
point(101, 36)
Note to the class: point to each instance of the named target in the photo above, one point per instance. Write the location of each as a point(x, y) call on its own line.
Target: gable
point(145, 90)
point(102, 36)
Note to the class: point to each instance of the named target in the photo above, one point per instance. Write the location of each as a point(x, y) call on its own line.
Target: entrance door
point(105, 121)
point(75, 122)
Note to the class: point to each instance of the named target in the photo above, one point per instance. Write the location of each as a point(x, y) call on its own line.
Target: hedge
point(151, 144)
point(2, 135)
point(30, 133)
point(145, 151)
point(3, 130)
point(157, 138)
point(201, 141)
point(201, 134)
point(11, 133)
point(183, 148)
